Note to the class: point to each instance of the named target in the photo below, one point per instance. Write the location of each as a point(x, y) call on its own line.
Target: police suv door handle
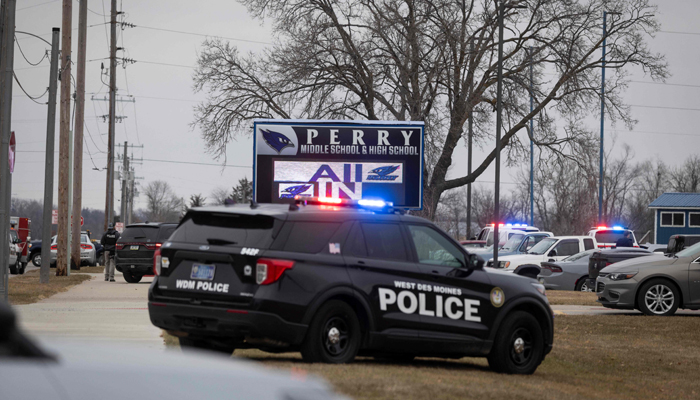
point(435, 274)
point(360, 264)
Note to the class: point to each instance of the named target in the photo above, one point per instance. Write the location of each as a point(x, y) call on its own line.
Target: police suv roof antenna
point(253, 204)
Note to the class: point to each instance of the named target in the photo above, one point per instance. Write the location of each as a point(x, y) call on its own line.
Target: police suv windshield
point(543, 246)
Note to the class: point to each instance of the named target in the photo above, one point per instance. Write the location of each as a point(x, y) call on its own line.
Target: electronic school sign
point(342, 159)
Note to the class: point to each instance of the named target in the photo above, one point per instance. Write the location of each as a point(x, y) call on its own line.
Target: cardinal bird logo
point(292, 191)
point(382, 173)
point(276, 140)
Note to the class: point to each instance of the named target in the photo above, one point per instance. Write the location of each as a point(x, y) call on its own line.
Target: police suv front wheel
point(333, 336)
point(519, 346)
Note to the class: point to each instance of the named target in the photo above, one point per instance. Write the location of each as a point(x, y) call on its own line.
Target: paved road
point(96, 311)
point(594, 310)
point(30, 267)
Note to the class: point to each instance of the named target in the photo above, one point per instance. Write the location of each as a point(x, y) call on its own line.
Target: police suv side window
point(384, 241)
point(433, 248)
point(310, 237)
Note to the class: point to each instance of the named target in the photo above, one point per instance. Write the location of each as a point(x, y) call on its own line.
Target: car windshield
point(689, 251)
point(13, 236)
point(580, 255)
point(513, 242)
point(543, 246)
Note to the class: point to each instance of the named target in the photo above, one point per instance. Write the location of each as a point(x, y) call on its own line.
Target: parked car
point(607, 237)
point(571, 273)
point(677, 243)
point(549, 249)
point(505, 231)
point(473, 244)
point(87, 251)
point(77, 371)
point(656, 248)
point(15, 253)
point(35, 252)
point(655, 284)
point(519, 243)
point(603, 258)
point(136, 247)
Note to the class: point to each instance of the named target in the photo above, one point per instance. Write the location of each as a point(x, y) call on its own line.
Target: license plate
point(135, 247)
point(203, 272)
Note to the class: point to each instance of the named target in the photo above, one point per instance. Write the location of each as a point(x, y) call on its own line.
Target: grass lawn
point(594, 357)
point(26, 289)
point(569, 297)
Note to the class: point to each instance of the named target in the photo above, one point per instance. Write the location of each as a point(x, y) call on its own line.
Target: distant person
point(109, 241)
point(625, 240)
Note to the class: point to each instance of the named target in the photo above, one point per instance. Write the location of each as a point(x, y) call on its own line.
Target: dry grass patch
point(26, 289)
point(594, 357)
point(566, 297)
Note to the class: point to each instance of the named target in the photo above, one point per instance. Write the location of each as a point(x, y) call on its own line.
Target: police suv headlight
point(621, 276)
point(540, 288)
point(503, 264)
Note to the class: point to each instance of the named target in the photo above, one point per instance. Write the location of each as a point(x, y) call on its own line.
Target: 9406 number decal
point(249, 251)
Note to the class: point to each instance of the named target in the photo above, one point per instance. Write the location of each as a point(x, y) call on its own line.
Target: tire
point(130, 278)
point(333, 336)
point(23, 268)
point(14, 270)
point(582, 285)
point(36, 259)
point(519, 346)
point(187, 344)
point(658, 297)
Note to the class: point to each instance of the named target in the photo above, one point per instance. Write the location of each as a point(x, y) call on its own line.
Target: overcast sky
point(161, 116)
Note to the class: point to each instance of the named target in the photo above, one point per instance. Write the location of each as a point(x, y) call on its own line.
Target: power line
point(667, 84)
point(665, 108)
point(198, 163)
point(681, 33)
point(37, 5)
point(46, 55)
point(659, 133)
point(25, 92)
point(200, 34)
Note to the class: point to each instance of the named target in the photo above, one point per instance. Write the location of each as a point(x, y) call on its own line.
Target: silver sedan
point(655, 284)
point(567, 274)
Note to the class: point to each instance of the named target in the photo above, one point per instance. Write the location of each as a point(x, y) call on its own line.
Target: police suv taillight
point(159, 262)
point(268, 271)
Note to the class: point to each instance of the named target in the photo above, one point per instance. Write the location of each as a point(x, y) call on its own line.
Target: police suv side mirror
point(552, 253)
point(475, 262)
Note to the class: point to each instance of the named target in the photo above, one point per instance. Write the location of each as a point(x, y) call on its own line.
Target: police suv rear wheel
point(130, 278)
point(333, 336)
point(187, 343)
point(519, 347)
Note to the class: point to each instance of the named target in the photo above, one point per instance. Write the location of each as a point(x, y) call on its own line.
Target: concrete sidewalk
point(95, 311)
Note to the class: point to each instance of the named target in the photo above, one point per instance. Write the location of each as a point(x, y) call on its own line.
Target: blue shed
point(676, 213)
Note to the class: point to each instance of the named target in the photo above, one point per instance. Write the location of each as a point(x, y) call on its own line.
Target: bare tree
point(686, 178)
point(162, 203)
point(243, 192)
point(219, 195)
point(411, 60)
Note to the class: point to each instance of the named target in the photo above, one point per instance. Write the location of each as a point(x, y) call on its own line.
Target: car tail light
point(86, 247)
point(552, 268)
point(159, 262)
point(268, 271)
point(54, 247)
point(119, 246)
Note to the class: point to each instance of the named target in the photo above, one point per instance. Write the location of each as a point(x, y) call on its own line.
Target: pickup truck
point(549, 249)
point(519, 243)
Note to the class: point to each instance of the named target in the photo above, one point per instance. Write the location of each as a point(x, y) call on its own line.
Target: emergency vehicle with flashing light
point(505, 232)
point(334, 279)
point(607, 236)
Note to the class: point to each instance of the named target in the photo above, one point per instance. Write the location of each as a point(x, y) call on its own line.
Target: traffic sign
point(54, 218)
point(119, 226)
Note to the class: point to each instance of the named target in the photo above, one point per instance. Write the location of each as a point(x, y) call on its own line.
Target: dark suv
point(335, 279)
point(136, 246)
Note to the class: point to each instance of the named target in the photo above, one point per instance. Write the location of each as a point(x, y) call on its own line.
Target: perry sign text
point(408, 302)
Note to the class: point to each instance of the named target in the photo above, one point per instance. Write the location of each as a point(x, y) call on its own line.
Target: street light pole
point(602, 123)
point(532, 148)
point(469, 150)
point(499, 93)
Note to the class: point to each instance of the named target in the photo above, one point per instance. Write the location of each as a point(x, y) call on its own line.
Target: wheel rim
point(584, 287)
point(37, 259)
point(659, 299)
point(336, 336)
point(521, 347)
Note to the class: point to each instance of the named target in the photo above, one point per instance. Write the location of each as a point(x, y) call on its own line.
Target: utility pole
point(6, 73)
point(532, 147)
point(469, 147)
point(48, 169)
point(109, 203)
point(78, 137)
point(125, 179)
point(64, 141)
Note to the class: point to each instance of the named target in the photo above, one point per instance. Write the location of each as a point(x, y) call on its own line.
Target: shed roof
point(677, 200)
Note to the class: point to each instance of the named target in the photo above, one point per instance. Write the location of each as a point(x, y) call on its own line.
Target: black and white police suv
point(335, 279)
